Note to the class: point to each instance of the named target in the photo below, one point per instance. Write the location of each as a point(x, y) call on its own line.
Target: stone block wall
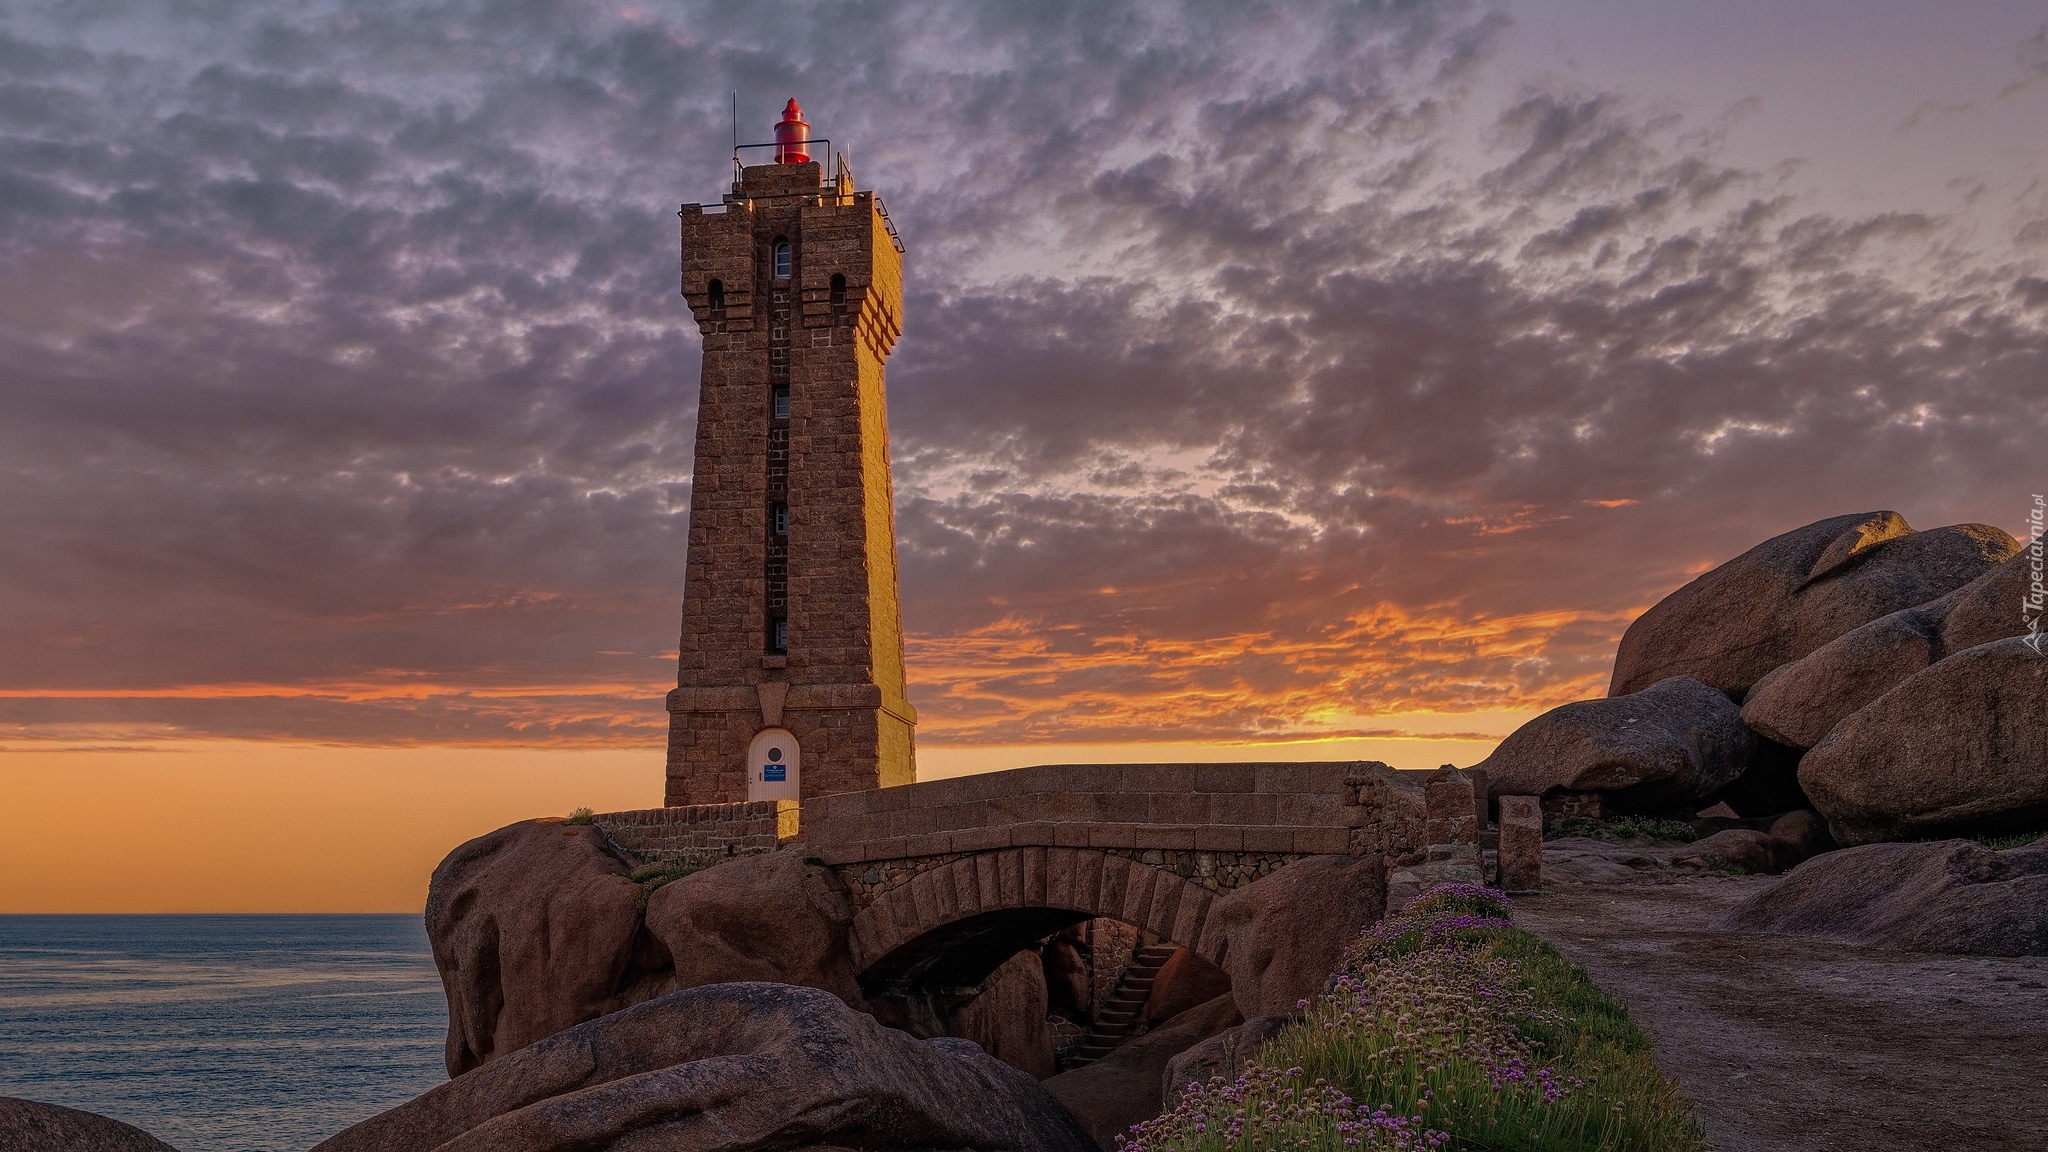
point(1295, 809)
point(701, 834)
point(1432, 835)
point(831, 575)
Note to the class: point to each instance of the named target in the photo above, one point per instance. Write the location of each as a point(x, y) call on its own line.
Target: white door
point(773, 766)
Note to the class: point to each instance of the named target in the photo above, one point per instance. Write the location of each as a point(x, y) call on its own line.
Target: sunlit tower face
point(791, 638)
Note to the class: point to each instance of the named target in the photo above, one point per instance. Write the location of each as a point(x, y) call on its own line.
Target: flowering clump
point(1425, 1038)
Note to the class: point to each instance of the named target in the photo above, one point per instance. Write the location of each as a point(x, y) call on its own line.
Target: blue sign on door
point(774, 773)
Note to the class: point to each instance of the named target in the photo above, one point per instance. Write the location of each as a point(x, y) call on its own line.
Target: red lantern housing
point(792, 135)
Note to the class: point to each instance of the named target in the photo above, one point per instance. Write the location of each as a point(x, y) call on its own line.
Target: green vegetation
point(1620, 828)
point(580, 815)
point(653, 876)
point(2018, 840)
point(1447, 1028)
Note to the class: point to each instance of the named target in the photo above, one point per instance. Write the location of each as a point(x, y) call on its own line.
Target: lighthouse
point(790, 678)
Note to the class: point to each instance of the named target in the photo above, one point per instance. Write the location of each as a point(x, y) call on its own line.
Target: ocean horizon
point(221, 1033)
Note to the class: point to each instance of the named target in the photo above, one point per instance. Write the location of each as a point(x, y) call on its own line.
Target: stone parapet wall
point(701, 834)
point(1280, 809)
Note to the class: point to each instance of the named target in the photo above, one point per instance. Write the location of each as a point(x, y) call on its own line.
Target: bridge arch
point(948, 927)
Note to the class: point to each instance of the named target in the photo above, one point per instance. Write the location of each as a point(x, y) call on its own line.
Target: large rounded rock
point(729, 1068)
point(1669, 746)
point(535, 928)
point(1958, 748)
point(1122, 1088)
point(1186, 981)
point(1225, 1054)
point(1801, 702)
point(1008, 1019)
point(30, 1126)
point(1793, 593)
point(1069, 991)
point(1284, 933)
point(770, 917)
point(1949, 896)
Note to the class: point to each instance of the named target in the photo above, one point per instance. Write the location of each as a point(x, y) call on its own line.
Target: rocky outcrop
point(1948, 896)
point(1743, 849)
point(1786, 843)
point(1224, 1054)
point(1186, 981)
point(1801, 702)
point(1122, 1088)
point(1665, 748)
point(1791, 594)
point(35, 1127)
point(1068, 989)
point(535, 927)
point(770, 917)
point(1958, 748)
point(1285, 933)
point(1008, 1019)
point(731, 1068)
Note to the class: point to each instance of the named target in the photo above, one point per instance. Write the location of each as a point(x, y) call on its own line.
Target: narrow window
point(780, 407)
point(714, 295)
point(778, 635)
point(781, 519)
point(782, 259)
point(838, 289)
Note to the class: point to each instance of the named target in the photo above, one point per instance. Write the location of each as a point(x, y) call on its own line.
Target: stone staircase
point(1119, 1014)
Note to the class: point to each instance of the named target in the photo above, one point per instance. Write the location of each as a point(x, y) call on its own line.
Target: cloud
point(348, 397)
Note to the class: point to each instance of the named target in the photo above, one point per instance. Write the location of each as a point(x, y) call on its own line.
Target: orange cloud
point(1019, 680)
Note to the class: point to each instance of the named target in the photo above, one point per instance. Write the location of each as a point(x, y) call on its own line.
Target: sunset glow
point(1333, 383)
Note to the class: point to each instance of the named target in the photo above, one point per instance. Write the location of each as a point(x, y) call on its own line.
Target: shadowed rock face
point(534, 928)
point(1960, 747)
point(1224, 1054)
point(1791, 594)
point(29, 1126)
point(768, 917)
point(1801, 702)
point(1122, 1088)
point(1008, 1019)
point(1669, 746)
point(729, 1068)
point(1950, 896)
point(1287, 931)
point(1187, 981)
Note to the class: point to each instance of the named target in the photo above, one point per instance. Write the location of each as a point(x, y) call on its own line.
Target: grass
point(653, 876)
point(580, 815)
point(1622, 828)
point(2018, 840)
point(1447, 1028)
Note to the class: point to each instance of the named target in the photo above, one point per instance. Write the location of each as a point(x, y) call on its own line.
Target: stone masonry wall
point(1302, 809)
point(1278, 809)
point(843, 667)
point(701, 834)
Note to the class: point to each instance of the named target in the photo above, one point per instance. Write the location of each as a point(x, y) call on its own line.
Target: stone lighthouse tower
point(791, 679)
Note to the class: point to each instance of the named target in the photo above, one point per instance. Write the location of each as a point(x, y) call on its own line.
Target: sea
point(221, 1033)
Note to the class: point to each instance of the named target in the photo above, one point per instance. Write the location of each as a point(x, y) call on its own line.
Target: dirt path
point(1796, 1045)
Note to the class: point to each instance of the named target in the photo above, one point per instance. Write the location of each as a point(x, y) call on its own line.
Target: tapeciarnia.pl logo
point(2037, 596)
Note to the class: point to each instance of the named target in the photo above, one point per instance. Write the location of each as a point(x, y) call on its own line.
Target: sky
point(1284, 380)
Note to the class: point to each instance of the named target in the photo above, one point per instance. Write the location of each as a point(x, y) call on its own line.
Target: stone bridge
point(951, 877)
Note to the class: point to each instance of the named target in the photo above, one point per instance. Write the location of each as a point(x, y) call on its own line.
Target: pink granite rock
point(30, 1126)
point(535, 928)
point(1795, 592)
point(729, 1068)
point(1286, 931)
